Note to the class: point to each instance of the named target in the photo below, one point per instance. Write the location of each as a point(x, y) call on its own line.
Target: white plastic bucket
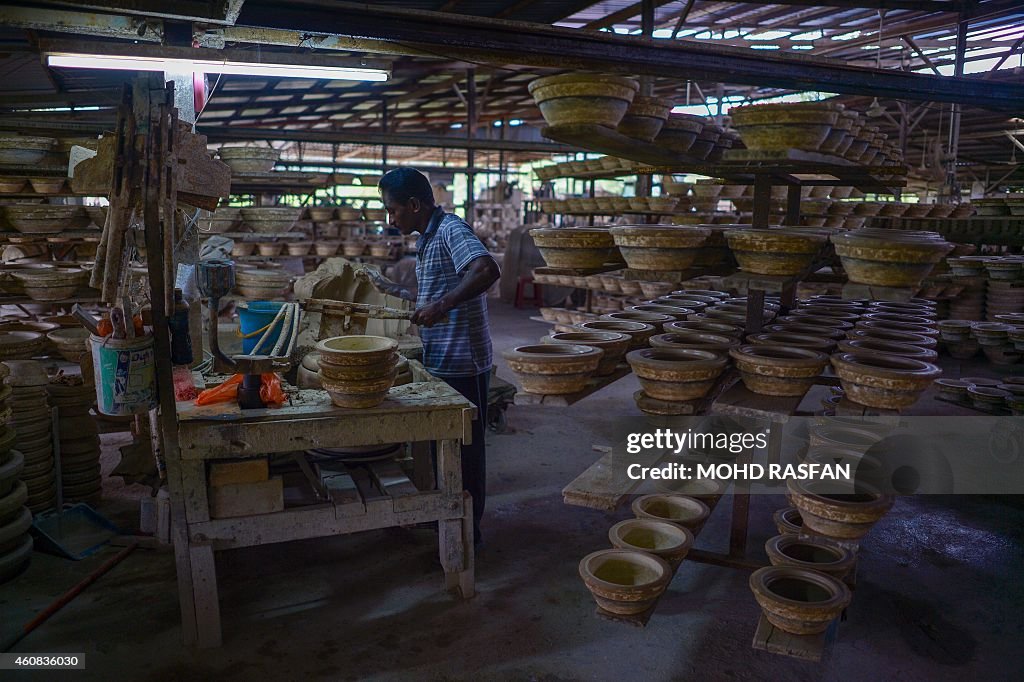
point(125, 374)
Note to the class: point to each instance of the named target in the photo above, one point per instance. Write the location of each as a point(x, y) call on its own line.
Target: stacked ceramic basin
point(259, 283)
point(775, 251)
point(249, 159)
point(573, 247)
point(584, 98)
point(659, 247)
point(555, 368)
point(358, 371)
point(224, 219)
point(51, 284)
point(780, 127)
point(70, 343)
point(672, 375)
point(645, 117)
point(20, 344)
point(33, 426)
point(79, 438)
point(30, 219)
point(270, 220)
point(15, 517)
point(889, 258)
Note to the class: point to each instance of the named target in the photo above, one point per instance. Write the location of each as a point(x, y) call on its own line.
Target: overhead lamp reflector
point(163, 64)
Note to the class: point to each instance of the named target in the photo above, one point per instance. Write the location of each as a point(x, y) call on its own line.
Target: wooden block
point(769, 638)
point(239, 472)
point(247, 499)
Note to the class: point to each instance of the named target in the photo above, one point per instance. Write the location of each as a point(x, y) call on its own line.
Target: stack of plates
point(79, 438)
point(15, 518)
point(30, 417)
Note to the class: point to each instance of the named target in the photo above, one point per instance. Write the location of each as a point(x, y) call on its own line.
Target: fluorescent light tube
point(117, 62)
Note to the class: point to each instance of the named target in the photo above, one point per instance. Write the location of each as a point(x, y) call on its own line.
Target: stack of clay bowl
point(79, 438)
point(30, 219)
point(70, 343)
point(224, 219)
point(670, 376)
point(778, 370)
point(706, 141)
point(775, 251)
point(553, 368)
point(883, 380)
point(249, 159)
point(15, 517)
point(583, 98)
point(262, 284)
point(576, 247)
point(613, 344)
point(358, 371)
point(780, 127)
point(799, 601)
point(1002, 298)
point(889, 258)
point(996, 342)
point(680, 131)
point(695, 340)
point(645, 117)
point(639, 333)
point(270, 220)
point(51, 284)
point(20, 345)
point(24, 150)
point(658, 320)
point(30, 418)
point(659, 247)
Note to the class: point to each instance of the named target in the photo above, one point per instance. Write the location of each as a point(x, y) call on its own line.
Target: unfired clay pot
point(788, 521)
point(676, 375)
point(666, 540)
point(775, 251)
point(905, 350)
point(883, 381)
point(553, 369)
point(659, 247)
point(656, 319)
point(815, 554)
point(638, 332)
point(778, 370)
point(840, 516)
point(797, 600)
point(890, 258)
point(706, 326)
point(575, 247)
point(645, 117)
point(677, 509)
point(614, 345)
point(625, 581)
point(583, 98)
point(817, 343)
point(694, 340)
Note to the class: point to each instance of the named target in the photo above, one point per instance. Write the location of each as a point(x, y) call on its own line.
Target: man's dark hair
point(402, 184)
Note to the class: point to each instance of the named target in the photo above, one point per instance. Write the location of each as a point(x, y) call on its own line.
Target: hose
point(266, 334)
point(286, 326)
point(295, 331)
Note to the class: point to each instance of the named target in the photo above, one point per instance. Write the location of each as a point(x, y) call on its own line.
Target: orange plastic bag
point(270, 389)
point(226, 392)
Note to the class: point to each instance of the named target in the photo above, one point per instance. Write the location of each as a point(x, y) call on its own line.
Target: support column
point(471, 121)
point(952, 184)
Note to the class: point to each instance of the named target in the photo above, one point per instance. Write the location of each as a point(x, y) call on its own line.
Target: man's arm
point(481, 273)
point(389, 287)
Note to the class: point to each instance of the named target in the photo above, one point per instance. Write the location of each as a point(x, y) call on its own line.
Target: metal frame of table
point(416, 412)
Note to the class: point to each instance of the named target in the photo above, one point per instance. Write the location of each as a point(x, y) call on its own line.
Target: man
point(453, 272)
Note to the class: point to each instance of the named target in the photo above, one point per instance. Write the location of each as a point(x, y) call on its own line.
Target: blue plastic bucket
point(254, 316)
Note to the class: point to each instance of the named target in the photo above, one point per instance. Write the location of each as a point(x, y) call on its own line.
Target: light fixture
point(237, 68)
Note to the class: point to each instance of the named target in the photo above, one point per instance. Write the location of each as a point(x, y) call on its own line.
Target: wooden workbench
point(414, 412)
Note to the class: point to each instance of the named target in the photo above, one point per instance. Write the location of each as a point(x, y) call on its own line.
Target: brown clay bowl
point(778, 370)
point(614, 345)
point(639, 332)
point(624, 581)
point(553, 368)
point(666, 540)
point(674, 374)
point(815, 554)
point(797, 600)
point(881, 380)
point(678, 509)
point(905, 350)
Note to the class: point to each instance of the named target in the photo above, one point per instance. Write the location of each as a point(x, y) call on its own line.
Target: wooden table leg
point(455, 536)
point(206, 598)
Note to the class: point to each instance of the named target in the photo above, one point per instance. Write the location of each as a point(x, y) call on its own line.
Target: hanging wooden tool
point(338, 318)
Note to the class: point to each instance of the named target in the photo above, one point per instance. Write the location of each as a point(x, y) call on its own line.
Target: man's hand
point(431, 314)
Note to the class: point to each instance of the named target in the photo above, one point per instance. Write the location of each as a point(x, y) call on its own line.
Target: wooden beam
point(913, 46)
point(205, 11)
point(625, 13)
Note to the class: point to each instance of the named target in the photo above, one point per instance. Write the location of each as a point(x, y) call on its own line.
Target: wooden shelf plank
point(769, 638)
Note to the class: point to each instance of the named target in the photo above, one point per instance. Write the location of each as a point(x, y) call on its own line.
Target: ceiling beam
point(623, 14)
point(206, 11)
point(82, 23)
point(497, 41)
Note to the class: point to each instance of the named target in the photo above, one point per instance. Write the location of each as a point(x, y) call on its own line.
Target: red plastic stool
point(536, 300)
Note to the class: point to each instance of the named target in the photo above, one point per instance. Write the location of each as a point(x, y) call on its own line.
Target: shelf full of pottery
point(680, 344)
point(32, 166)
point(605, 114)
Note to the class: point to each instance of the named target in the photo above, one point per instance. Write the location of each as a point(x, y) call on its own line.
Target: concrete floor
point(938, 592)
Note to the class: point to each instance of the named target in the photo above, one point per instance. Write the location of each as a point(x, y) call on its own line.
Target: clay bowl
point(991, 333)
point(576, 247)
point(676, 375)
point(891, 258)
point(695, 340)
point(845, 436)
point(352, 373)
point(815, 554)
point(924, 309)
point(614, 345)
point(818, 343)
point(624, 581)
point(844, 516)
point(583, 98)
point(358, 394)
point(677, 509)
point(639, 332)
point(782, 137)
point(679, 132)
point(894, 336)
point(645, 117)
point(694, 304)
point(775, 251)
point(70, 343)
point(680, 314)
point(249, 159)
point(553, 368)
point(788, 521)
point(657, 320)
point(665, 540)
point(704, 326)
point(817, 321)
point(659, 247)
point(798, 600)
point(45, 218)
point(778, 370)
point(954, 389)
point(274, 219)
point(692, 293)
point(16, 345)
point(900, 318)
point(825, 312)
point(357, 350)
point(905, 350)
point(884, 381)
point(907, 328)
point(986, 397)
